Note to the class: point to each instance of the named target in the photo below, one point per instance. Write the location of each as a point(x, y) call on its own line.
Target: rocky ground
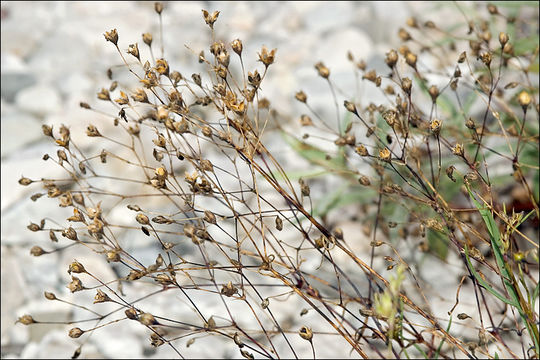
point(53, 55)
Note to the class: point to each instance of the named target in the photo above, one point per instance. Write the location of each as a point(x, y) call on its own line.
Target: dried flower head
point(147, 39)
point(237, 46)
point(322, 70)
point(76, 267)
point(391, 58)
point(266, 57)
point(305, 333)
point(26, 320)
point(75, 284)
point(210, 19)
point(37, 251)
point(301, 96)
point(133, 49)
point(350, 106)
point(112, 36)
point(362, 150)
point(435, 126)
point(458, 150)
point(385, 155)
point(524, 99)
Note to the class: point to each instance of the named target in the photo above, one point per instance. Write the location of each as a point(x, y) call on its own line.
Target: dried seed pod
point(450, 172)
point(101, 297)
point(207, 131)
point(279, 223)
point(404, 35)
point(158, 7)
point(206, 165)
point(160, 219)
point(210, 19)
point(209, 217)
point(370, 76)
point(463, 316)
point(25, 181)
point(70, 233)
point(131, 313)
point(305, 333)
point(391, 118)
point(229, 289)
point(196, 79)
point(237, 340)
point(458, 150)
point(75, 333)
point(33, 227)
point(76, 267)
point(503, 38)
point(26, 320)
point(75, 284)
point(385, 155)
point(133, 49)
point(486, 58)
point(364, 180)
point(49, 295)
point(211, 323)
point(391, 58)
point(406, 85)
point(304, 188)
point(301, 96)
point(52, 236)
point(237, 46)
point(112, 36)
point(103, 156)
point(411, 59)
point(92, 131)
point(147, 319)
point(266, 57)
point(361, 150)
point(350, 106)
point(147, 39)
point(162, 67)
point(113, 256)
point(142, 219)
point(305, 120)
point(246, 354)
point(322, 70)
point(492, 9)
point(433, 92)
point(524, 99)
point(435, 126)
point(37, 251)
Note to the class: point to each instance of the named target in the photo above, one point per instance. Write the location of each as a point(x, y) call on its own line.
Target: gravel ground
point(53, 56)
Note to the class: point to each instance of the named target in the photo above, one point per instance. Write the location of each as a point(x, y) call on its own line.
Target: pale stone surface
point(39, 100)
point(54, 55)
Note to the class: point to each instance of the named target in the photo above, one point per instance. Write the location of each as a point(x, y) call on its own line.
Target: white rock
point(18, 130)
point(15, 76)
point(39, 100)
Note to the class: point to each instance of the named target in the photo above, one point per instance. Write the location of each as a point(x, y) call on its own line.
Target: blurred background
point(54, 55)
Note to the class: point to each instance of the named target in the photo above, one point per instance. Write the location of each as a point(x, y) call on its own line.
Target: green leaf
point(342, 196)
point(304, 174)
point(492, 227)
point(315, 155)
point(485, 284)
point(442, 341)
point(438, 243)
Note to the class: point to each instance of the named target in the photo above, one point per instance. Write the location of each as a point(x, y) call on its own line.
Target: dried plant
point(185, 164)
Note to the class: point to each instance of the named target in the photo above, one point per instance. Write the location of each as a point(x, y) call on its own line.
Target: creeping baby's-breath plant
point(442, 173)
